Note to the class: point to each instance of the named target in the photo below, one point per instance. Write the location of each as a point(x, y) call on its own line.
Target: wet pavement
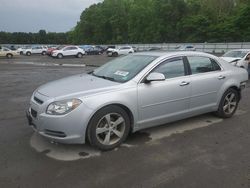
point(203, 151)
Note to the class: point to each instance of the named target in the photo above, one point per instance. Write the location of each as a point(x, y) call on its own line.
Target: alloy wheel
point(110, 129)
point(230, 103)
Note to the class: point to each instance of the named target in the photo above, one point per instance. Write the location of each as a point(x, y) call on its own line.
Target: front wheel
point(79, 55)
point(9, 56)
point(59, 56)
point(228, 104)
point(108, 128)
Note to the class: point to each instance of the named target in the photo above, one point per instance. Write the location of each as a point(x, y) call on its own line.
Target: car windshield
point(239, 54)
point(124, 68)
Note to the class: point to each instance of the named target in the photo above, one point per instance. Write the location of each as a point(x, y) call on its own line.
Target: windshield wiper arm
point(107, 78)
point(104, 77)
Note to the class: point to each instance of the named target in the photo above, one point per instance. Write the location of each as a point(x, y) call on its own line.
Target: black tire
point(21, 53)
point(228, 104)
point(9, 56)
point(43, 53)
point(108, 128)
point(28, 53)
point(59, 56)
point(79, 55)
point(115, 54)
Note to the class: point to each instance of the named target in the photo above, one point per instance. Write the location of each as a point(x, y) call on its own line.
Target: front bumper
point(69, 128)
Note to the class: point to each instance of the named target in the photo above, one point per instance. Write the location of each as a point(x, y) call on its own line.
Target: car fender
point(126, 98)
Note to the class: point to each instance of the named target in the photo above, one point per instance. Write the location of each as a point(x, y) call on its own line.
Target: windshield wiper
point(107, 78)
point(104, 77)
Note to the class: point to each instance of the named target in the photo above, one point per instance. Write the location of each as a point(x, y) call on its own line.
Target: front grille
point(38, 100)
point(33, 113)
point(55, 133)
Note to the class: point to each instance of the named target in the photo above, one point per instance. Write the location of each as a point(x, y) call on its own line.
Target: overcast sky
point(33, 15)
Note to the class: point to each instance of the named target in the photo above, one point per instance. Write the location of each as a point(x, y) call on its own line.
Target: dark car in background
point(94, 50)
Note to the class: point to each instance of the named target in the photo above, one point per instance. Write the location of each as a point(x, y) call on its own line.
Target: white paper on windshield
point(121, 73)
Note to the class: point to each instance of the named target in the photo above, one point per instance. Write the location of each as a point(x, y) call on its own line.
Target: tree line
point(40, 37)
point(152, 21)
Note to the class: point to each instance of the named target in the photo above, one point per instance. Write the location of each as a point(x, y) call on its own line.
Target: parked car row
point(238, 57)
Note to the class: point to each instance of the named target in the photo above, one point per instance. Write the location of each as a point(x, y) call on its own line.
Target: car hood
point(57, 50)
point(231, 59)
point(82, 85)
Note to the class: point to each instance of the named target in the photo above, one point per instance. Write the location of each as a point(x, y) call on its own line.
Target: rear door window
point(199, 64)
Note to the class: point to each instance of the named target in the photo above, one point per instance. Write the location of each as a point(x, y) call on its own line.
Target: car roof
point(239, 50)
point(174, 53)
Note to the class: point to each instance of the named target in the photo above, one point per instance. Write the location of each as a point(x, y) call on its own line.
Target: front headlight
point(63, 107)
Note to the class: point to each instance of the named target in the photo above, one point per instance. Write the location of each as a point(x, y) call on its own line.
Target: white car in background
point(68, 51)
point(35, 50)
point(21, 49)
point(124, 50)
point(237, 57)
point(6, 52)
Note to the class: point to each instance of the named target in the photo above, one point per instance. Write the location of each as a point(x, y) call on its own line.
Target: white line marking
point(50, 64)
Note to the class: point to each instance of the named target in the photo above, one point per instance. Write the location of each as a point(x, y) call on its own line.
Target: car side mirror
point(155, 76)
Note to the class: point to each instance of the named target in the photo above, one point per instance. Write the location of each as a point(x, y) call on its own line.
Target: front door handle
point(221, 77)
point(184, 83)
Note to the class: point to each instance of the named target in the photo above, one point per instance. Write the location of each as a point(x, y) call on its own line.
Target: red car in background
point(51, 49)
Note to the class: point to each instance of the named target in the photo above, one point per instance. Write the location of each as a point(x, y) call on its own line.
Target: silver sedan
point(132, 93)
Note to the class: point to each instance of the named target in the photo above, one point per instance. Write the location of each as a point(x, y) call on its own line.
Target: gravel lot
point(204, 151)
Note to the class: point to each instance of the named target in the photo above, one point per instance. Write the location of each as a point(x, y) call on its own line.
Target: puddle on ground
point(139, 137)
point(63, 152)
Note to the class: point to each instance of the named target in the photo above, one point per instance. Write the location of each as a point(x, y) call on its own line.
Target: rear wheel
point(228, 104)
point(43, 53)
point(59, 56)
point(108, 128)
point(115, 54)
point(9, 56)
point(28, 53)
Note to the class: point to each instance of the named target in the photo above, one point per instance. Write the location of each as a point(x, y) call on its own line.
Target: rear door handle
point(221, 77)
point(184, 83)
